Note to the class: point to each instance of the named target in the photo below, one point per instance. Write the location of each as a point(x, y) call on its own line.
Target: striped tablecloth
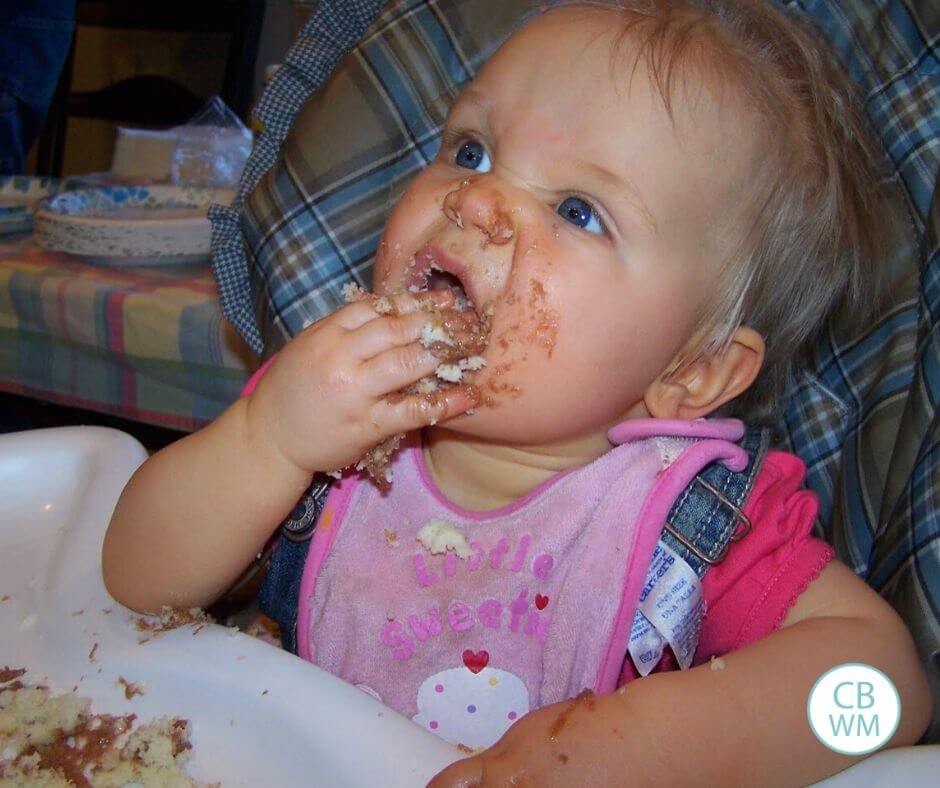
point(147, 344)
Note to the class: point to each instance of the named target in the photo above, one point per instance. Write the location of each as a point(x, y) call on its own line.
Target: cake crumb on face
point(717, 663)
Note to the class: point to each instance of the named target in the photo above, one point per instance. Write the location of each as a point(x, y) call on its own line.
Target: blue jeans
point(35, 36)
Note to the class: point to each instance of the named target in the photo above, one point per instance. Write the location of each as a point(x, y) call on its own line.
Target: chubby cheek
point(624, 336)
point(523, 342)
point(525, 327)
point(412, 221)
point(570, 354)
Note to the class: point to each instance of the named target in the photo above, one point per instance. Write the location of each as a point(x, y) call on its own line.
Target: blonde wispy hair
point(815, 223)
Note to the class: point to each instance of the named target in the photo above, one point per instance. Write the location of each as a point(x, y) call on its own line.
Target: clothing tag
point(670, 611)
point(646, 644)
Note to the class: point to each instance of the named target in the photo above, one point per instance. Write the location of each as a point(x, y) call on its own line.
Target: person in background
point(35, 36)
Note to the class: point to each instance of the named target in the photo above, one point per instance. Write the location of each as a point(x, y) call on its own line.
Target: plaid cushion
point(863, 417)
point(331, 31)
point(307, 225)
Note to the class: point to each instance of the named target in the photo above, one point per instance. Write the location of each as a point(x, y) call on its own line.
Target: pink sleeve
point(252, 383)
point(749, 594)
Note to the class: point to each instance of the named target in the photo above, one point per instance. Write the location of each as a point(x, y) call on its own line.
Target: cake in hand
point(457, 335)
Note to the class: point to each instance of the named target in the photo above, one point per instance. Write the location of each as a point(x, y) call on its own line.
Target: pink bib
point(531, 605)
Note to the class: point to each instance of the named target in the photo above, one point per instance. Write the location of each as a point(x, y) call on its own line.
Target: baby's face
point(570, 205)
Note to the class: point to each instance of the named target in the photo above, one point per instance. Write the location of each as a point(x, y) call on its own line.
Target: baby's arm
point(743, 725)
point(195, 514)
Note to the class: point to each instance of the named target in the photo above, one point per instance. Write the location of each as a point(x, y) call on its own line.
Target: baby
point(658, 207)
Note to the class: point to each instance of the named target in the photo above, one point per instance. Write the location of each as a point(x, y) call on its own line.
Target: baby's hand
point(325, 399)
point(577, 742)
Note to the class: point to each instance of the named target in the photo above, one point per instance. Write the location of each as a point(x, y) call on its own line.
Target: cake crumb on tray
point(172, 618)
point(52, 738)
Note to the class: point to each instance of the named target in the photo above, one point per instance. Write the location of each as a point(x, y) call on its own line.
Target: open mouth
point(435, 271)
point(444, 280)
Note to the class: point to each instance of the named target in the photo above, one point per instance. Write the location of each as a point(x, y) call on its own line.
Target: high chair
point(314, 199)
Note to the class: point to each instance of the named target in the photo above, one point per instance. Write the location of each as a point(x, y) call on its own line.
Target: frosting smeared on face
point(577, 214)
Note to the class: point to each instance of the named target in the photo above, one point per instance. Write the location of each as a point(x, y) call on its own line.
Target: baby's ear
point(704, 385)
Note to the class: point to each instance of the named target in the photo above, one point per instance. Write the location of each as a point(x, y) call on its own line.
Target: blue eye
point(473, 156)
point(580, 214)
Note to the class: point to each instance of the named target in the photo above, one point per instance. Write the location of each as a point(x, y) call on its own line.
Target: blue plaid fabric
point(311, 207)
point(330, 32)
point(863, 416)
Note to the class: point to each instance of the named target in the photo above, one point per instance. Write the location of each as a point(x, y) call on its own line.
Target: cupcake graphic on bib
point(472, 705)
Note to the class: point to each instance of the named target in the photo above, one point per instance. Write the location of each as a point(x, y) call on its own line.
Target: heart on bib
point(541, 601)
point(475, 660)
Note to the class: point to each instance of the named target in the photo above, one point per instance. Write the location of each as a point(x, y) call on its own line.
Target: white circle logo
point(853, 709)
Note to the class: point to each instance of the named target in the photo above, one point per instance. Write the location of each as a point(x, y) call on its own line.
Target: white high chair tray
point(260, 716)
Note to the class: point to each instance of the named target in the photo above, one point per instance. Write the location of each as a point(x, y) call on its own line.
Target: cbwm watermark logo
point(853, 708)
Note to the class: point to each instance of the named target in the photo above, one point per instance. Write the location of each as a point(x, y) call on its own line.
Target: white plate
point(261, 717)
point(130, 225)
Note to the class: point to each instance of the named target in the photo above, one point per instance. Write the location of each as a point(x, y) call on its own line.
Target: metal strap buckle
point(299, 524)
point(742, 526)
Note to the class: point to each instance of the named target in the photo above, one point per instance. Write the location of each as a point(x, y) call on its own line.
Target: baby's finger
point(358, 313)
point(378, 336)
point(407, 303)
point(396, 368)
point(421, 410)
point(467, 773)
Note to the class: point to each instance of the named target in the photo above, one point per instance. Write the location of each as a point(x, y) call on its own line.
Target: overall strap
point(708, 514)
point(281, 587)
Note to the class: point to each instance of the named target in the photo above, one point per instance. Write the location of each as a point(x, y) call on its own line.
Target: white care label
point(670, 610)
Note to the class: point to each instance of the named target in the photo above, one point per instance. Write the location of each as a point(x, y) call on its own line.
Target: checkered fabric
point(312, 222)
point(863, 417)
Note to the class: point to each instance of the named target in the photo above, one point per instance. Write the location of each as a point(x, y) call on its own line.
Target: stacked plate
point(19, 195)
point(129, 225)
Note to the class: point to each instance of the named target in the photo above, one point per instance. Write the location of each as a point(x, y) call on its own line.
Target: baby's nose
point(479, 204)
